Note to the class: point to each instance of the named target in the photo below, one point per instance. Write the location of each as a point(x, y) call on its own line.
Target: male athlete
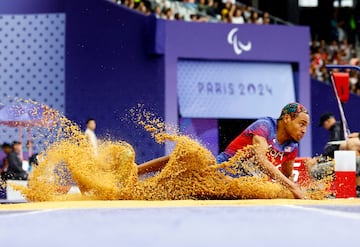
point(275, 142)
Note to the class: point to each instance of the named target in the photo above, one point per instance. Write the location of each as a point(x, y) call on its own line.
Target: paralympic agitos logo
point(238, 46)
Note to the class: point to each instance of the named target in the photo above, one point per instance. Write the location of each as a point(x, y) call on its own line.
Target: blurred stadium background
point(193, 66)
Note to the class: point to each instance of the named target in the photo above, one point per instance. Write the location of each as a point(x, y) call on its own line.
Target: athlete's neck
point(281, 134)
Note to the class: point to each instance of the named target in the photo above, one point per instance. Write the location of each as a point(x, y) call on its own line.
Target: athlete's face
point(296, 128)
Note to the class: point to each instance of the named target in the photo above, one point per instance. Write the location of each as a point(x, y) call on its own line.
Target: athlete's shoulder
point(263, 126)
point(267, 121)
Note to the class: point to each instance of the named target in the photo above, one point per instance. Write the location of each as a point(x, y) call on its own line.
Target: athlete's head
point(296, 119)
point(293, 109)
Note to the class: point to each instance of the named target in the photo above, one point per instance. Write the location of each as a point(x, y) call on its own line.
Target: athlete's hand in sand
point(298, 194)
point(309, 164)
point(269, 169)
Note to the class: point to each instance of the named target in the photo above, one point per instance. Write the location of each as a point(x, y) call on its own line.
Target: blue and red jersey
point(265, 127)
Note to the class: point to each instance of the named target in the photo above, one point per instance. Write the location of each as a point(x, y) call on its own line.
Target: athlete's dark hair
point(293, 109)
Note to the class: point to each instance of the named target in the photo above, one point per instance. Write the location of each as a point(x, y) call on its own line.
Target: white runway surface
point(182, 223)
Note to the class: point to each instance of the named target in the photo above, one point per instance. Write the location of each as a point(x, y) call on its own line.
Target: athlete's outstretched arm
point(153, 165)
point(287, 168)
point(261, 147)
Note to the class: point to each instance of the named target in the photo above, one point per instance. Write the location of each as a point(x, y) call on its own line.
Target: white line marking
point(25, 213)
point(328, 211)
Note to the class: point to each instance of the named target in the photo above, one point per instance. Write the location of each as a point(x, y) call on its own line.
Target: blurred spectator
point(333, 26)
point(354, 79)
point(6, 147)
point(178, 17)
point(17, 148)
point(168, 13)
point(225, 17)
point(335, 58)
point(143, 8)
point(345, 52)
point(266, 18)
point(237, 17)
point(30, 155)
point(33, 161)
point(157, 11)
point(190, 4)
point(336, 132)
point(357, 89)
point(28, 149)
point(255, 19)
point(202, 6)
point(323, 46)
point(226, 11)
point(194, 17)
point(314, 47)
point(333, 48)
point(247, 14)
point(341, 31)
point(212, 8)
point(198, 18)
point(4, 164)
point(354, 60)
point(129, 3)
point(3, 186)
point(14, 170)
point(207, 7)
point(90, 133)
